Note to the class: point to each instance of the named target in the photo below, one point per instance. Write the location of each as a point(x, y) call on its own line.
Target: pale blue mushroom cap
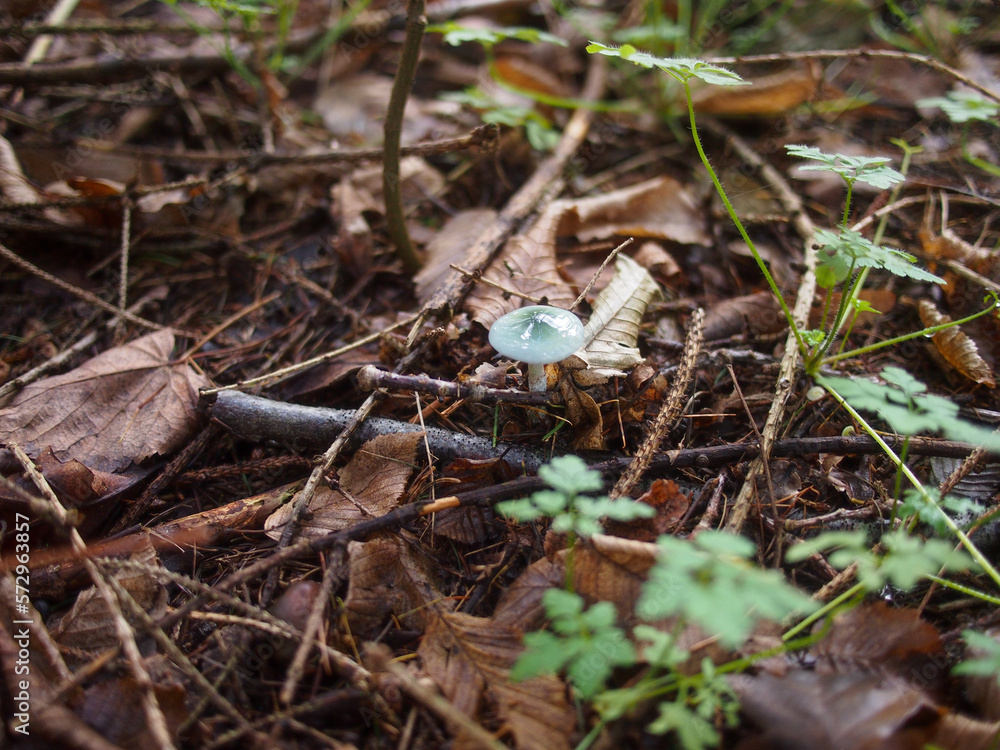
point(538, 334)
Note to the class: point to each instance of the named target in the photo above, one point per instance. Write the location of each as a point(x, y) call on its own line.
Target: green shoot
point(587, 644)
point(456, 34)
point(916, 506)
point(906, 560)
point(683, 70)
point(903, 402)
point(709, 581)
point(987, 665)
point(692, 716)
point(571, 510)
point(964, 106)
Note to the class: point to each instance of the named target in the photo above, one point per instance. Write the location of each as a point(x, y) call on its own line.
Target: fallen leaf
point(390, 577)
point(758, 315)
point(470, 660)
point(612, 331)
point(89, 625)
point(660, 208)
point(771, 95)
point(370, 485)
point(957, 349)
point(121, 407)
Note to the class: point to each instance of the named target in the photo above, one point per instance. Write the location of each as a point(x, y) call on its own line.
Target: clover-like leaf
point(680, 68)
point(873, 170)
point(963, 106)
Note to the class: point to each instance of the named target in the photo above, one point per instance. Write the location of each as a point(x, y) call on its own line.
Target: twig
point(391, 183)
point(278, 375)
point(803, 302)
point(597, 274)
point(479, 278)
point(83, 294)
point(126, 637)
point(669, 411)
point(381, 660)
point(370, 378)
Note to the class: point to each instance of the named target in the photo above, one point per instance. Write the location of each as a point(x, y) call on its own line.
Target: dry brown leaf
point(983, 691)
point(769, 96)
point(660, 208)
point(389, 576)
point(114, 707)
point(585, 415)
point(370, 485)
point(470, 659)
point(957, 732)
point(449, 247)
point(527, 264)
point(811, 711)
point(757, 314)
point(88, 624)
point(121, 407)
point(880, 639)
point(520, 605)
point(957, 349)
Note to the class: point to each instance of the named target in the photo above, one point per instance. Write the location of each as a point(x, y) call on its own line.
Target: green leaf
point(587, 644)
point(710, 582)
point(964, 106)
point(931, 510)
point(571, 475)
point(840, 252)
point(873, 170)
point(680, 68)
point(907, 560)
point(987, 665)
point(902, 402)
point(456, 34)
point(693, 731)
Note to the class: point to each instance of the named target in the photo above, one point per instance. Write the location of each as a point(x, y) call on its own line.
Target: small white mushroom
point(537, 335)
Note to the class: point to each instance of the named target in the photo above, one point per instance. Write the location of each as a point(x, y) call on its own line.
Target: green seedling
point(540, 132)
point(964, 108)
point(905, 561)
point(571, 510)
point(587, 644)
point(987, 665)
point(710, 581)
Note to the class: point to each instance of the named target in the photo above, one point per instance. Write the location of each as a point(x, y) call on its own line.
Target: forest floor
point(266, 482)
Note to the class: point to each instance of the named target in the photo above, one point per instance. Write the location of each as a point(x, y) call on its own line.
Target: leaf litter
point(272, 262)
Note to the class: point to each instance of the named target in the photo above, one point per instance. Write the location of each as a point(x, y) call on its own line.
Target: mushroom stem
point(537, 380)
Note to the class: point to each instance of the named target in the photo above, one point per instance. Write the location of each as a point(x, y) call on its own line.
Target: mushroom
point(537, 335)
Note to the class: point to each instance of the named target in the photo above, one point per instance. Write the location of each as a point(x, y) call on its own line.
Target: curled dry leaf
point(957, 349)
point(613, 328)
point(470, 660)
point(121, 407)
point(660, 209)
point(370, 485)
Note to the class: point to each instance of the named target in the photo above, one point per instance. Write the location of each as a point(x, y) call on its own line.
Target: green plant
point(586, 643)
point(573, 512)
point(963, 108)
point(539, 130)
point(986, 665)
point(845, 255)
point(709, 582)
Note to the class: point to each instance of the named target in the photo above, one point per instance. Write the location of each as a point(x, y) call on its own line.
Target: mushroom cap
point(538, 334)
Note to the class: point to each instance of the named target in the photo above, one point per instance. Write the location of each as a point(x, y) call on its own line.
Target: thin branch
point(392, 185)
